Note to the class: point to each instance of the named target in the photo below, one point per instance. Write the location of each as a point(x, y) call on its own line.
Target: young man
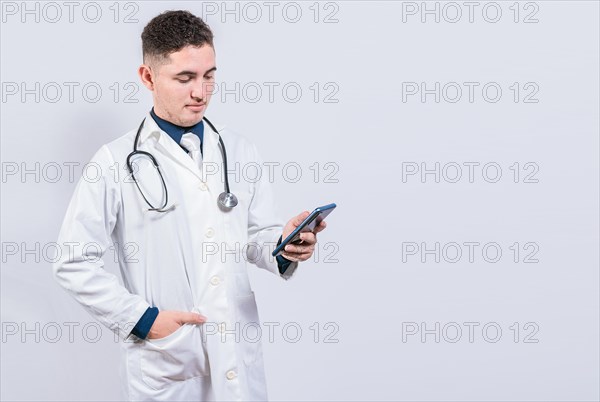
point(186, 291)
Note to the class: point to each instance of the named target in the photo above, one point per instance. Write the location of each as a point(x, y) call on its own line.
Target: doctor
point(186, 297)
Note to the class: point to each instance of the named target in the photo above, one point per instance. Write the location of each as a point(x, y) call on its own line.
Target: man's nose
point(201, 89)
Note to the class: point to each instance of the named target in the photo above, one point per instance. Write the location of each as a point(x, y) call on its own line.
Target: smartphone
point(308, 225)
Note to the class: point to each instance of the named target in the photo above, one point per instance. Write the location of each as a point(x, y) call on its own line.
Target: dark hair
point(171, 31)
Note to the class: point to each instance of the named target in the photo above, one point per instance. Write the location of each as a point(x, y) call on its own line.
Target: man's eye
point(209, 77)
point(184, 81)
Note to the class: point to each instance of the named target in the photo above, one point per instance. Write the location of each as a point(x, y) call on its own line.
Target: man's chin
point(191, 118)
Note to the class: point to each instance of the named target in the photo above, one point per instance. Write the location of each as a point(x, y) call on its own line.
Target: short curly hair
point(170, 32)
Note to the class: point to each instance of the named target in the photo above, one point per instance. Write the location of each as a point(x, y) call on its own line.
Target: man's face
point(182, 87)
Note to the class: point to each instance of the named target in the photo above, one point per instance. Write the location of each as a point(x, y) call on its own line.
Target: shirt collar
point(175, 131)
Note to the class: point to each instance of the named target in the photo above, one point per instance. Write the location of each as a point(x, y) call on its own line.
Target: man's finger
point(308, 238)
point(191, 318)
point(322, 225)
point(297, 257)
point(299, 249)
point(292, 257)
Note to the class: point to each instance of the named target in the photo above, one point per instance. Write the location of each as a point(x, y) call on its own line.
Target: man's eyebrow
point(193, 74)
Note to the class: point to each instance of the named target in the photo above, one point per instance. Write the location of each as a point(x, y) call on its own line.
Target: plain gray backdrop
point(459, 140)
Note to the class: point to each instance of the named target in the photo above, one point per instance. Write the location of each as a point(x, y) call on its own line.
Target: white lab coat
point(192, 258)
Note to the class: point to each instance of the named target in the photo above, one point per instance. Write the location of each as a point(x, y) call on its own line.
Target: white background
point(370, 130)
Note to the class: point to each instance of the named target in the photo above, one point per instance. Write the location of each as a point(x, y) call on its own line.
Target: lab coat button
point(215, 280)
point(203, 186)
point(231, 375)
point(210, 232)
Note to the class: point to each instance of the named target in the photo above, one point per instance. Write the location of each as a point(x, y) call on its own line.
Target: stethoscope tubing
point(155, 163)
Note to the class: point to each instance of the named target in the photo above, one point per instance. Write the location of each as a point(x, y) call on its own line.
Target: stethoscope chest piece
point(227, 200)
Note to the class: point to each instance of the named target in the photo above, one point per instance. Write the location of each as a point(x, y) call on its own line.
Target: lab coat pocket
point(249, 326)
point(166, 339)
point(177, 357)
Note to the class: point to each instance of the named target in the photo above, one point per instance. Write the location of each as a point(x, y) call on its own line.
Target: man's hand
point(168, 322)
point(304, 249)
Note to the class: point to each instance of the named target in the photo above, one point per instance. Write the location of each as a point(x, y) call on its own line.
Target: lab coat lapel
point(172, 150)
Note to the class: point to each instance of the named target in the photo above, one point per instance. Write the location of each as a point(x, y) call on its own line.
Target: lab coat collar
point(165, 144)
point(149, 130)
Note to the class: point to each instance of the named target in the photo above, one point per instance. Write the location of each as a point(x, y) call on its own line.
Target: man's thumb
point(300, 217)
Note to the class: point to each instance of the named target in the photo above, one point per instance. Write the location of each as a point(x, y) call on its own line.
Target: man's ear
point(146, 76)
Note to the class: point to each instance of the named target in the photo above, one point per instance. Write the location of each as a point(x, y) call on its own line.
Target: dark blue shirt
point(176, 132)
point(143, 326)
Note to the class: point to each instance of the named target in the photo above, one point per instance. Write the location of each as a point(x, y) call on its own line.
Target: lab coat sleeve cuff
point(285, 266)
point(143, 326)
point(282, 262)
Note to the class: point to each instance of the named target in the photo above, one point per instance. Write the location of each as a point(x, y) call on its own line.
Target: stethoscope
point(226, 199)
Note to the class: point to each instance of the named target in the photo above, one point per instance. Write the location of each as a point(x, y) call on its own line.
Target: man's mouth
point(198, 106)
